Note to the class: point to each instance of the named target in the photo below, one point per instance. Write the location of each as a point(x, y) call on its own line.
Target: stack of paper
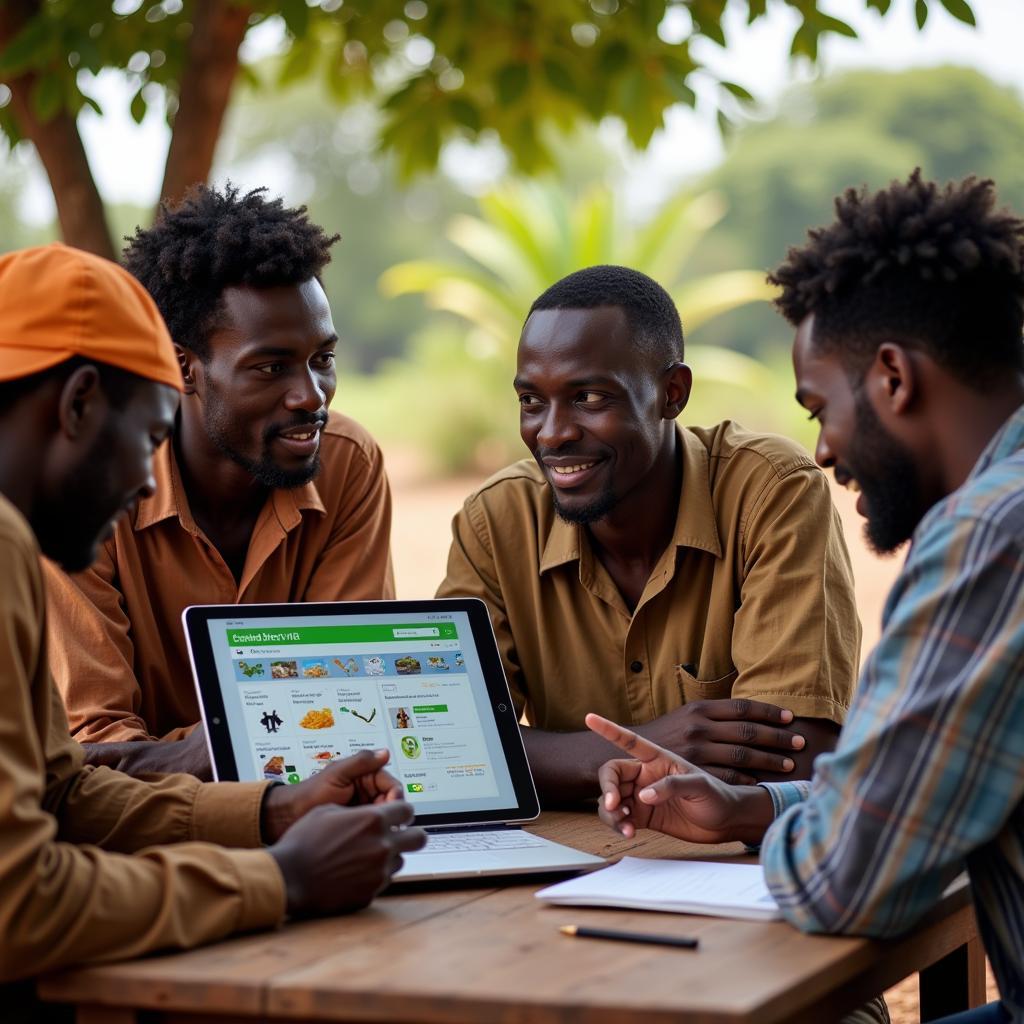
point(675, 886)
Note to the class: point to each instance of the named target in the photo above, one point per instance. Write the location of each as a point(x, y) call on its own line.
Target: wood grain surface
point(487, 952)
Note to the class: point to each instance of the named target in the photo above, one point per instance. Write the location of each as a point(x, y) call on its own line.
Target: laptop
point(287, 688)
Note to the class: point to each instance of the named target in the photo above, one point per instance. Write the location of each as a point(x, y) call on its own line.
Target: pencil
point(681, 941)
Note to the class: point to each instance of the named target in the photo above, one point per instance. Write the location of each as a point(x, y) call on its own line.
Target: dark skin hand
point(656, 789)
point(145, 757)
point(335, 858)
point(739, 741)
point(358, 780)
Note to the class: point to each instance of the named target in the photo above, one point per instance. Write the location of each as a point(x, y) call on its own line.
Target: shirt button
point(637, 666)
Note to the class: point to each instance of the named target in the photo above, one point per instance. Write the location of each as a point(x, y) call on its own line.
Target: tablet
point(285, 689)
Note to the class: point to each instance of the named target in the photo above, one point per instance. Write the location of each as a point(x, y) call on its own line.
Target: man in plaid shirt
point(908, 352)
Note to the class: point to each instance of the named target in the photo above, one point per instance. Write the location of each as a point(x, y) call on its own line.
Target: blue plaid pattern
point(928, 776)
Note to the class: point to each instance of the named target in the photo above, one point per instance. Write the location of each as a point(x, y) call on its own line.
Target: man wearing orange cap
point(89, 389)
point(237, 515)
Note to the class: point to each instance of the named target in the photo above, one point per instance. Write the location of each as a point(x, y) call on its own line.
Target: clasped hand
point(735, 739)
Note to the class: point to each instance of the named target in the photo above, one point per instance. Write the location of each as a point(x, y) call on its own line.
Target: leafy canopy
point(440, 69)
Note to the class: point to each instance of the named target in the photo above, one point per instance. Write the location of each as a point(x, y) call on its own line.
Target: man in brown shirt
point(88, 388)
point(692, 582)
point(261, 495)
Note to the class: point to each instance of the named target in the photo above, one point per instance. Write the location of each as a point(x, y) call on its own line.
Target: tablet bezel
point(211, 702)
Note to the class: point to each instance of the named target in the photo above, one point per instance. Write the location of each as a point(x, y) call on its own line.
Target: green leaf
point(614, 57)
point(920, 12)
point(805, 43)
point(882, 6)
point(138, 107)
point(89, 52)
point(89, 101)
point(756, 9)
point(47, 97)
point(511, 82)
point(466, 114)
point(680, 90)
point(960, 10)
point(558, 75)
point(401, 97)
point(738, 91)
point(296, 63)
point(296, 16)
point(827, 23)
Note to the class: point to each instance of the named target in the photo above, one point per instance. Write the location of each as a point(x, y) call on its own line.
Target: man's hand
point(146, 757)
point(359, 779)
point(728, 738)
point(336, 859)
point(658, 789)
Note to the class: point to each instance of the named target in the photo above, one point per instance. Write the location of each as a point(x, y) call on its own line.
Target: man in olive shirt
point(262, 496)
point(692, 582)
point(95, 865)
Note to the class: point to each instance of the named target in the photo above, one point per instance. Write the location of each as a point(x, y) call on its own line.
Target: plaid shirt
point(928, 775)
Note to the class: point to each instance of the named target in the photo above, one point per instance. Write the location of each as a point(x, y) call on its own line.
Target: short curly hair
point(649, 309)
point(937, 268)
point(214, 240)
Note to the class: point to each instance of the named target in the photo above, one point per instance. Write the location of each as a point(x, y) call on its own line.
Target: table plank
point(494, 953)
point(502, 959)
point(231, 976)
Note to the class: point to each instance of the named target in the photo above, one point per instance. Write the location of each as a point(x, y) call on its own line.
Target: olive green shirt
point(753, 597)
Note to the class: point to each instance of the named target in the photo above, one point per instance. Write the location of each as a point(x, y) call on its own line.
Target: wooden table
point(493, 954)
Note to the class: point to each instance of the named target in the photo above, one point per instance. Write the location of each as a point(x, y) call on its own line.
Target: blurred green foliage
point(858, 128)
point(445, 383)
point(459, 402)
point(328, 154)
point(438, 70)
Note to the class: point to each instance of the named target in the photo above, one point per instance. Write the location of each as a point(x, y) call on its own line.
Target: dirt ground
point(423, 509)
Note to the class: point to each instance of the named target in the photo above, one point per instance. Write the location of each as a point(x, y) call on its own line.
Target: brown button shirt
point(63, 900)
point(117, 644)
point(752, 598)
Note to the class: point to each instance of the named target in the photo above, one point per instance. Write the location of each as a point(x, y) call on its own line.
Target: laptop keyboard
point(472, 842)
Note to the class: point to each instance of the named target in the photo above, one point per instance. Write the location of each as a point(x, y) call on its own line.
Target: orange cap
point(57, 302)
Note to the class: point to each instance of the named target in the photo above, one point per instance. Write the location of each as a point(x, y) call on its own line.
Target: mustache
point(543, 453)
point(312, 419)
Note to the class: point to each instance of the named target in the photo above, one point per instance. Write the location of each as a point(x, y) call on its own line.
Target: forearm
point(147, 757)
point(72, 905)
point(754, 816)
point(565, 764)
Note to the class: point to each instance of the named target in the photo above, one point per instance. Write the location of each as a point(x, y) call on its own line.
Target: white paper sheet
point(675, 886)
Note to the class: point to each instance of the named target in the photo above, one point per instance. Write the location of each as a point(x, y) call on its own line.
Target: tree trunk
point(211, 64)
point(83, 220)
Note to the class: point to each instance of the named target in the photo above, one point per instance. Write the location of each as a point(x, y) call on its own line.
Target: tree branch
point(83, 220)
point(211, 64)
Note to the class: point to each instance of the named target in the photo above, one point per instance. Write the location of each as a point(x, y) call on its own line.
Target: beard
point(889, 479)
point(69, 528)
point(264, 469)
point(594, 510)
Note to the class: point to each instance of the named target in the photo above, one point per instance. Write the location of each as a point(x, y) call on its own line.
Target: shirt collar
point(1008, 439)
point(170, 499)
point(695, 527)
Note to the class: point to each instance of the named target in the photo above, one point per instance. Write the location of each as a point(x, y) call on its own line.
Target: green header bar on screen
point(278, 635)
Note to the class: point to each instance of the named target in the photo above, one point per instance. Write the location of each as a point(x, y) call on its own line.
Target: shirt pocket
point(691, 688)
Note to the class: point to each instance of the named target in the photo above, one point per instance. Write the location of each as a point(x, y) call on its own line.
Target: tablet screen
point(300, 690)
